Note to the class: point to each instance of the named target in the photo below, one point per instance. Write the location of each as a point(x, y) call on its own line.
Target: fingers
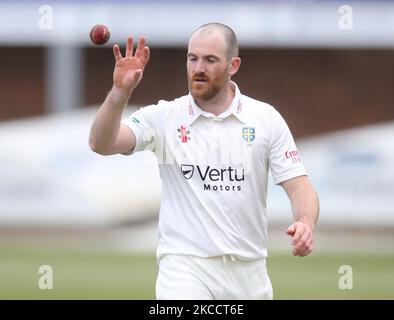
point(304, 246)
point(141, 43)
point(302, 239)
point(142, 53)
point(140, 48)
point(117, 53)
point(299, 232)
point(290, 230)
point(129, 47)
point(146, 54)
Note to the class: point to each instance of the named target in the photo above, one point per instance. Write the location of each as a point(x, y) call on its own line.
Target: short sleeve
point(141, 124)
point(284, 159)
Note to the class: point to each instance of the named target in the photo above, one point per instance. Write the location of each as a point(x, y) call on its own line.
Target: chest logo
point(183, 134)
point(248, 134)
point(187, 170)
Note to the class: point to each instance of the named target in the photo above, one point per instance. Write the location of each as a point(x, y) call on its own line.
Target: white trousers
point(184, 277)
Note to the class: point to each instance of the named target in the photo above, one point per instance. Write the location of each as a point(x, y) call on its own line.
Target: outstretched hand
point(128, 70)
point(302, 238)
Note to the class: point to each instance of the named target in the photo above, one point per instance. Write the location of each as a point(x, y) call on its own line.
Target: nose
point(200, 67)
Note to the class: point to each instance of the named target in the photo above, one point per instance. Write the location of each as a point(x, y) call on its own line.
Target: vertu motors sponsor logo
point(210, 174)
point(187, 170)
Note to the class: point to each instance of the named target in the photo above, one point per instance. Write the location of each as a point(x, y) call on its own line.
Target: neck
point(219, 103)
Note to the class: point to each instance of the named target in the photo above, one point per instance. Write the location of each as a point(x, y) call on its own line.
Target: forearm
point(304, 200)
point(106, 125)
point(305, 205)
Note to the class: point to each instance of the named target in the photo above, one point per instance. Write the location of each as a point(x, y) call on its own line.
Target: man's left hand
point(302, 238)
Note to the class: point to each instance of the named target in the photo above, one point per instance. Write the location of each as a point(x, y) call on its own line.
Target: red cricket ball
point(99, 34)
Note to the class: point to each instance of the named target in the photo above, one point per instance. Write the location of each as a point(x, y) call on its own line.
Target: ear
point(234, 65)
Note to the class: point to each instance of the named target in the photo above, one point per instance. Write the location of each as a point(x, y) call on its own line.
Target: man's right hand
point(128, 70)
point(108, 135)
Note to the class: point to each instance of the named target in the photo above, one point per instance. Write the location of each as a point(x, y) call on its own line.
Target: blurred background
point(326, 66)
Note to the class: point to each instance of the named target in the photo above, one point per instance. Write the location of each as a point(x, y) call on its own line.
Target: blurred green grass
point(100, 275)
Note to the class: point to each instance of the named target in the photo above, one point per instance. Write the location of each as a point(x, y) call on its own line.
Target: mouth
point(200, 80)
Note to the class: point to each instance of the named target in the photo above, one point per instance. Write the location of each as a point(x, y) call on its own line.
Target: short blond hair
point(230, 38)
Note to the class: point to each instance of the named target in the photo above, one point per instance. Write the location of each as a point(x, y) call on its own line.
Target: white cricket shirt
point(214, 172)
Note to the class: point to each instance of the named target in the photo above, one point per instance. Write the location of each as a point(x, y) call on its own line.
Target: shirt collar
point(236, 108)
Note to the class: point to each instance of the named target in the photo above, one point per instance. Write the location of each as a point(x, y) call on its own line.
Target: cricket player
point(215, 147)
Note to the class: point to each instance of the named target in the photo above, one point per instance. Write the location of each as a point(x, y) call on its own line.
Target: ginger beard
point(204, 88)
